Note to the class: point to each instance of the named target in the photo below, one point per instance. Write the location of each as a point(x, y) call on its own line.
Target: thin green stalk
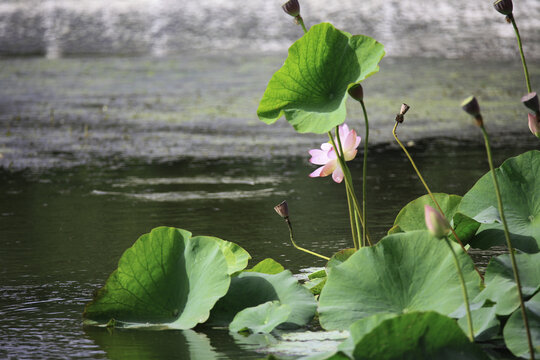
point(301, 248)
point(508, 242)
point(463, 289)
point(300, 21)
point(520, 45)
point(427, 187)
point(348, 178)
point(352, 219)
point(364, 174)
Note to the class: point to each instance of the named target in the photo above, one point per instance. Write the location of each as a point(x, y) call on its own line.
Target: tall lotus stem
point(399, 120)
point(470, 105)
point(283, 210)
point(463, 289)
point(348, 181)
point(356, 92)
point(439, 227)
point(505, 7)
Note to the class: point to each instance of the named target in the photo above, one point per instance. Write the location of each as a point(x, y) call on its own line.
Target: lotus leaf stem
point(463, 289)
point(301, 248)
point(508, 242)
point(520, 45)
point(364, 174)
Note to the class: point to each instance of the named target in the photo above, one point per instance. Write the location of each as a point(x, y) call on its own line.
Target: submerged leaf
point(404, 272)
point(311, 87)
point(519, 182)
point(166, 278)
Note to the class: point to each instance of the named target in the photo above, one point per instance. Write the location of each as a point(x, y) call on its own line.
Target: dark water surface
point(63, 230)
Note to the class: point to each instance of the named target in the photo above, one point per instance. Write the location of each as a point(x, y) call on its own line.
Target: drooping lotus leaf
point(500, 284)
point(237, 258)
point(412, 218)
point(404, 272)
point(262, 318)
point(267, 266)
point(310, 89)
point(417, 335)
point(340, 257)
point(250, 289)
point(514, 330)
point(519, 182)
point(166, 278)
point(485, 323)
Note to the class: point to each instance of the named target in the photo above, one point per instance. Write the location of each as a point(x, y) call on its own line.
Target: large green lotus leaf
point(417, 335)
point(166, 278)
point(519, 181)
point(237, 258)
point(514, 330)
point(500, 285)
point(412, 217)
point(250, 289)
point(310, 88)
point(404, 272)
point(262, 318)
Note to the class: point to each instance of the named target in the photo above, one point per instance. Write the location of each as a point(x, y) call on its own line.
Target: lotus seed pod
point(531, 102)
point(291, 7)
point(471, 107)
point(356, 92)
point(404, 109)
point(282, 209)
point(505, 7)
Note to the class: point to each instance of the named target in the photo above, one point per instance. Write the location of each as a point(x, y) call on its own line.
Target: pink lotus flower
point(437, 224)
point(534, 125)
point(328, 157)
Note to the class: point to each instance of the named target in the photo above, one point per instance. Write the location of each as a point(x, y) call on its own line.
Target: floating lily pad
point(262, 318)
point(519, 182)
point(166, 278)
point(500, 284)
point(404, 272)
point(412, 217)
point(250, 289)
point(514, 330)
point(310, 89)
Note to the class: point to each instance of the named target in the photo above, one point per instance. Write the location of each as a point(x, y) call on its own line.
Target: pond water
point(63, 231)
point(95, 152)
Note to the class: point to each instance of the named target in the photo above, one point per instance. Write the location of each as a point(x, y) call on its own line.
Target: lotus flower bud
point(437, 224)
point(534, 124)
point(291, 7)
point(471, 107)
point(282, 209)
point(400, 117)
point(505, 7)
point(356, 92)
point(531, 102)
